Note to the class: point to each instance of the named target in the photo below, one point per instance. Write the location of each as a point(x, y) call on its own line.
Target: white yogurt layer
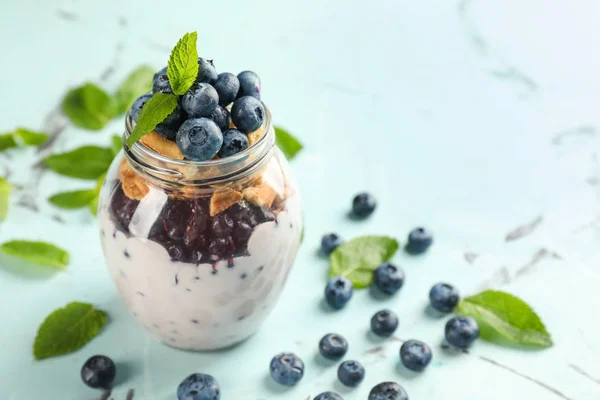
point(201, 307)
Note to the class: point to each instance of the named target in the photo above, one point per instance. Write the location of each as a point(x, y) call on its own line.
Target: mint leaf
point(288, 144)
point(93, 204)
point(358, 258)
point(89, 107)
point(154, 112)
point(74, 199)
point(182, 68)
point(39, 253)
point(67, 329)
point(503, 318)
point(5, 189)
point(87, 162)
point(136, 84)
point(21, 137)
point(116, 144)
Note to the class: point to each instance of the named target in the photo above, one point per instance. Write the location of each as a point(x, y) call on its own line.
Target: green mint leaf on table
point(504, 318)
point(288, 144)
point(67, 329)
point(116, 144)
point(87, 162)
point(89, 107)
point(39, 253)
point(136, 84)
point(154, 112)
point(74, 199)
point(182, 68)
point(358, 258)
point(21, 137)
point(5, 189)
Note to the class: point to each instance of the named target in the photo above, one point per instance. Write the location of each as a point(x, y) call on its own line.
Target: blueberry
point(98, 372)
point(249, 84)
point(234, 141)
point(221, 117)
point(333, 346)
point(419, 240)
point(227, 85)
point(384, 323)
point(169, 127)
point(199, 139)
point(199, 387)
point(161, 82)
point(329, 396)
point(287, 369)
point(206, 71)
point(444, 297)
point(461, 332)
point(388, 278)
point(137, 105)
point(351, 373)
point(330, 242)
point(338, 292)
point(415, 355)
point(218, 246)
point(200, 100)
point(363, 205)
point(248, 114)
point(388, 391)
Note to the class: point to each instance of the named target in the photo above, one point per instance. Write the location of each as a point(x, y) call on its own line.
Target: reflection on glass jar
point(200, 251)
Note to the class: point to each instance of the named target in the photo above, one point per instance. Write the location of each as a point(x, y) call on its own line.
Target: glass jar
point(200, 251)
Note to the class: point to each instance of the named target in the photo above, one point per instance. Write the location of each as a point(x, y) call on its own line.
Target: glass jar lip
point(145, 151)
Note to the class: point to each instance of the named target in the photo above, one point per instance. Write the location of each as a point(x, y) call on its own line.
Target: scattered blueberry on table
point(415, 355)
point(388, 278)
point(419, 240)
point(384, 323)
point(330, 242)
point(329, 396)
point(338, 292)
point(199, 387)
point(388, 391)
point(461, 332)
point(287, 369)
point(333, 346)
point(363, 205)
point(98, 372)
point(444, 297)
point(351, 373)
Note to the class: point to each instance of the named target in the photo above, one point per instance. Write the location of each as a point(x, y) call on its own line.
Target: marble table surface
point(472, 118)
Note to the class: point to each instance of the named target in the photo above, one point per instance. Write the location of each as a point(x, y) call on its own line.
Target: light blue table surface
point(472, 118)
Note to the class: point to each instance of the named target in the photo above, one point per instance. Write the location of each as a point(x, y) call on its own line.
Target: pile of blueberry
point(188, 232)
point(200, 124)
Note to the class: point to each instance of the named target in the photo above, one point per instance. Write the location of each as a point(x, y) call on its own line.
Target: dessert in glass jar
point(200, 219)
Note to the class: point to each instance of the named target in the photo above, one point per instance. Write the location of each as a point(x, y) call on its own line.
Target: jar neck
point(168, 172)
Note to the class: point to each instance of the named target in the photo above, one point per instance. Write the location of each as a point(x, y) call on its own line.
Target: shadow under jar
point(200, 251)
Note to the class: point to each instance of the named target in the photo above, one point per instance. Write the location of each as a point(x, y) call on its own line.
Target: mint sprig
point(87, 162)
point(182, 68)
point(358, 258)
point(288, 144)
point(68, 329)
point(159, 107)
point(5, 189)
point(504, 318)
point(89, 107)
point(39, 253)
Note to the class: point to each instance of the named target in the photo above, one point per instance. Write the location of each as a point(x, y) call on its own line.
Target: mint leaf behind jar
point(5, 189)
point(503, 318)
point(136, 84)
point(89, 107)
point(182, 68)
point(21, 137)
point(288, 144)
point(39, 253)
point(68, 329)
point(74, 199)
point(116, 144)
point(358, 258)
point(154, 112)
point(87, 162)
